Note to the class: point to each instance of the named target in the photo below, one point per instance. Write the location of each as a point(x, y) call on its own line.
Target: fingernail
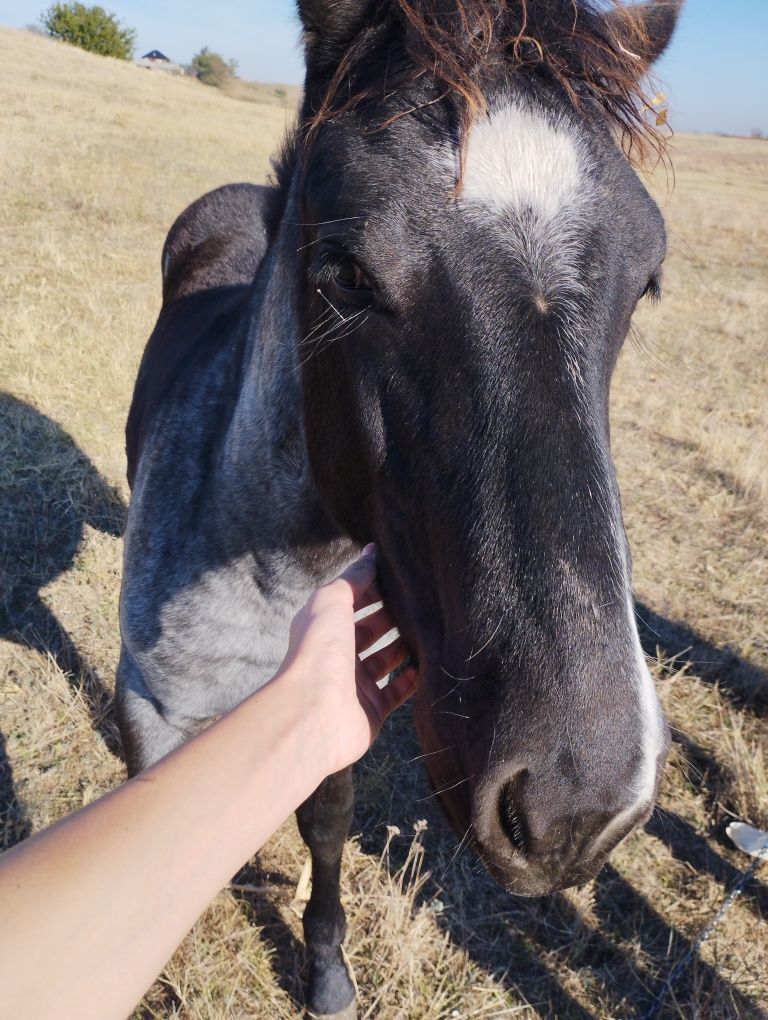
point(370, 549)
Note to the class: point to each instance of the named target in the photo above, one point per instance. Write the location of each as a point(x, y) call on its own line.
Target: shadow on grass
point(744, 683)
point(255, 890)
point(14, 824)
point(49, 491)
point(620, 949)
point(687, 846)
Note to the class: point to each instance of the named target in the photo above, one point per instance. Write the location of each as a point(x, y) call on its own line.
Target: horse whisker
point(321, 323)
point(444, 696)
point(448, 673)
point(326, 339)
point(428, 754)
point(332, 305)
point(463, 842)
point(445, 789)
point(484, 646)
point(323, 223)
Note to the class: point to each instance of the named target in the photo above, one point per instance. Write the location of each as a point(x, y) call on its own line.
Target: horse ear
point(644, 29)
point(329, 27)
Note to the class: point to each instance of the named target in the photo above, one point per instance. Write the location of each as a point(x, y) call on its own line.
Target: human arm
point(91, 908)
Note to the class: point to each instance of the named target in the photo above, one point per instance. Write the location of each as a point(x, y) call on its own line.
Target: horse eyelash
point(326, 265)
point(654, 290)
point(323, 272)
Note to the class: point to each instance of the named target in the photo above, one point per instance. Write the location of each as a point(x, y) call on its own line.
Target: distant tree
point(212, 69)
point(757, 133)
point(90, 28)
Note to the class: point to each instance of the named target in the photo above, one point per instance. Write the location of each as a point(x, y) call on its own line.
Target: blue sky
point(715, 73)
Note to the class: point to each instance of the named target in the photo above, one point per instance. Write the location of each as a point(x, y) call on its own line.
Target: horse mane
point(464, 45)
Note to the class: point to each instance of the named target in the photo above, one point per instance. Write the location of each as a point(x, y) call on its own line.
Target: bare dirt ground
point(97, 159)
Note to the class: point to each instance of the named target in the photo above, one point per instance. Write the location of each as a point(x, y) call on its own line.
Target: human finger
point(375, 667)
point(358, 579)
point(398, 690)
point(371, 629)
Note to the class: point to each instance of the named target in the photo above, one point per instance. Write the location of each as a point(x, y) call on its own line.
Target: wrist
point(313, 720)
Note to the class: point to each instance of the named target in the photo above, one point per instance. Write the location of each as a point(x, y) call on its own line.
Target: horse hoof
point(350, 1013)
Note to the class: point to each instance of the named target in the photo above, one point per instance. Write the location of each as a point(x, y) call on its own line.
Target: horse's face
point(458, 354)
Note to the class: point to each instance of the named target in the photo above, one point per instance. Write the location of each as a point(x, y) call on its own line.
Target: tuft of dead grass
point(98, 158)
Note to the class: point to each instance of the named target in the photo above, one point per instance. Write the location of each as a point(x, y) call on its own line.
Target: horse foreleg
point(324, 820)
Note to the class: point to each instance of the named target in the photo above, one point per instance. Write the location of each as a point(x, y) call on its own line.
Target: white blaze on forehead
point(518, 159)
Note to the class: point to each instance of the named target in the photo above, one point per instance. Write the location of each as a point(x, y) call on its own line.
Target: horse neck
point(271, 396)
point(265, 466)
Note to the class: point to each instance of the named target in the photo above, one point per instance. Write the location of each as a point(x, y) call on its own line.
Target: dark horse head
point(475, 242)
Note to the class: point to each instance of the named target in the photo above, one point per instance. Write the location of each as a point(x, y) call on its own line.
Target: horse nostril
point(511, 819)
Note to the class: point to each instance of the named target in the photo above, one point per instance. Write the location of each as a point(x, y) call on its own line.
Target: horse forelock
point(466, 46)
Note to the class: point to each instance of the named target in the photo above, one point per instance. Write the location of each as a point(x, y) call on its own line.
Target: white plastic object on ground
point(747, 838)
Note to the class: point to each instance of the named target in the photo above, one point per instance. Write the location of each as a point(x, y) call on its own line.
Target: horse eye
point(349, 276)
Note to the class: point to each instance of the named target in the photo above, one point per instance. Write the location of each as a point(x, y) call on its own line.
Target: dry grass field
point(97, 159)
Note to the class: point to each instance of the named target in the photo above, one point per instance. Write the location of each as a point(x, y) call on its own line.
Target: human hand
point(323, 662)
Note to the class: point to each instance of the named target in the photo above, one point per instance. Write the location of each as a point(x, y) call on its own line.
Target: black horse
point(409, 338)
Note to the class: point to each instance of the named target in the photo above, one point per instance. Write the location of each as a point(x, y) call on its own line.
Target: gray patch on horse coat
point(222, 508)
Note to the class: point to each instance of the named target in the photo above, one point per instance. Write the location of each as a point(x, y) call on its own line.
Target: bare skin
point(92, 907)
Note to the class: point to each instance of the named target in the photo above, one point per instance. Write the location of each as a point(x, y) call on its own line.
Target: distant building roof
point(156, 55)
